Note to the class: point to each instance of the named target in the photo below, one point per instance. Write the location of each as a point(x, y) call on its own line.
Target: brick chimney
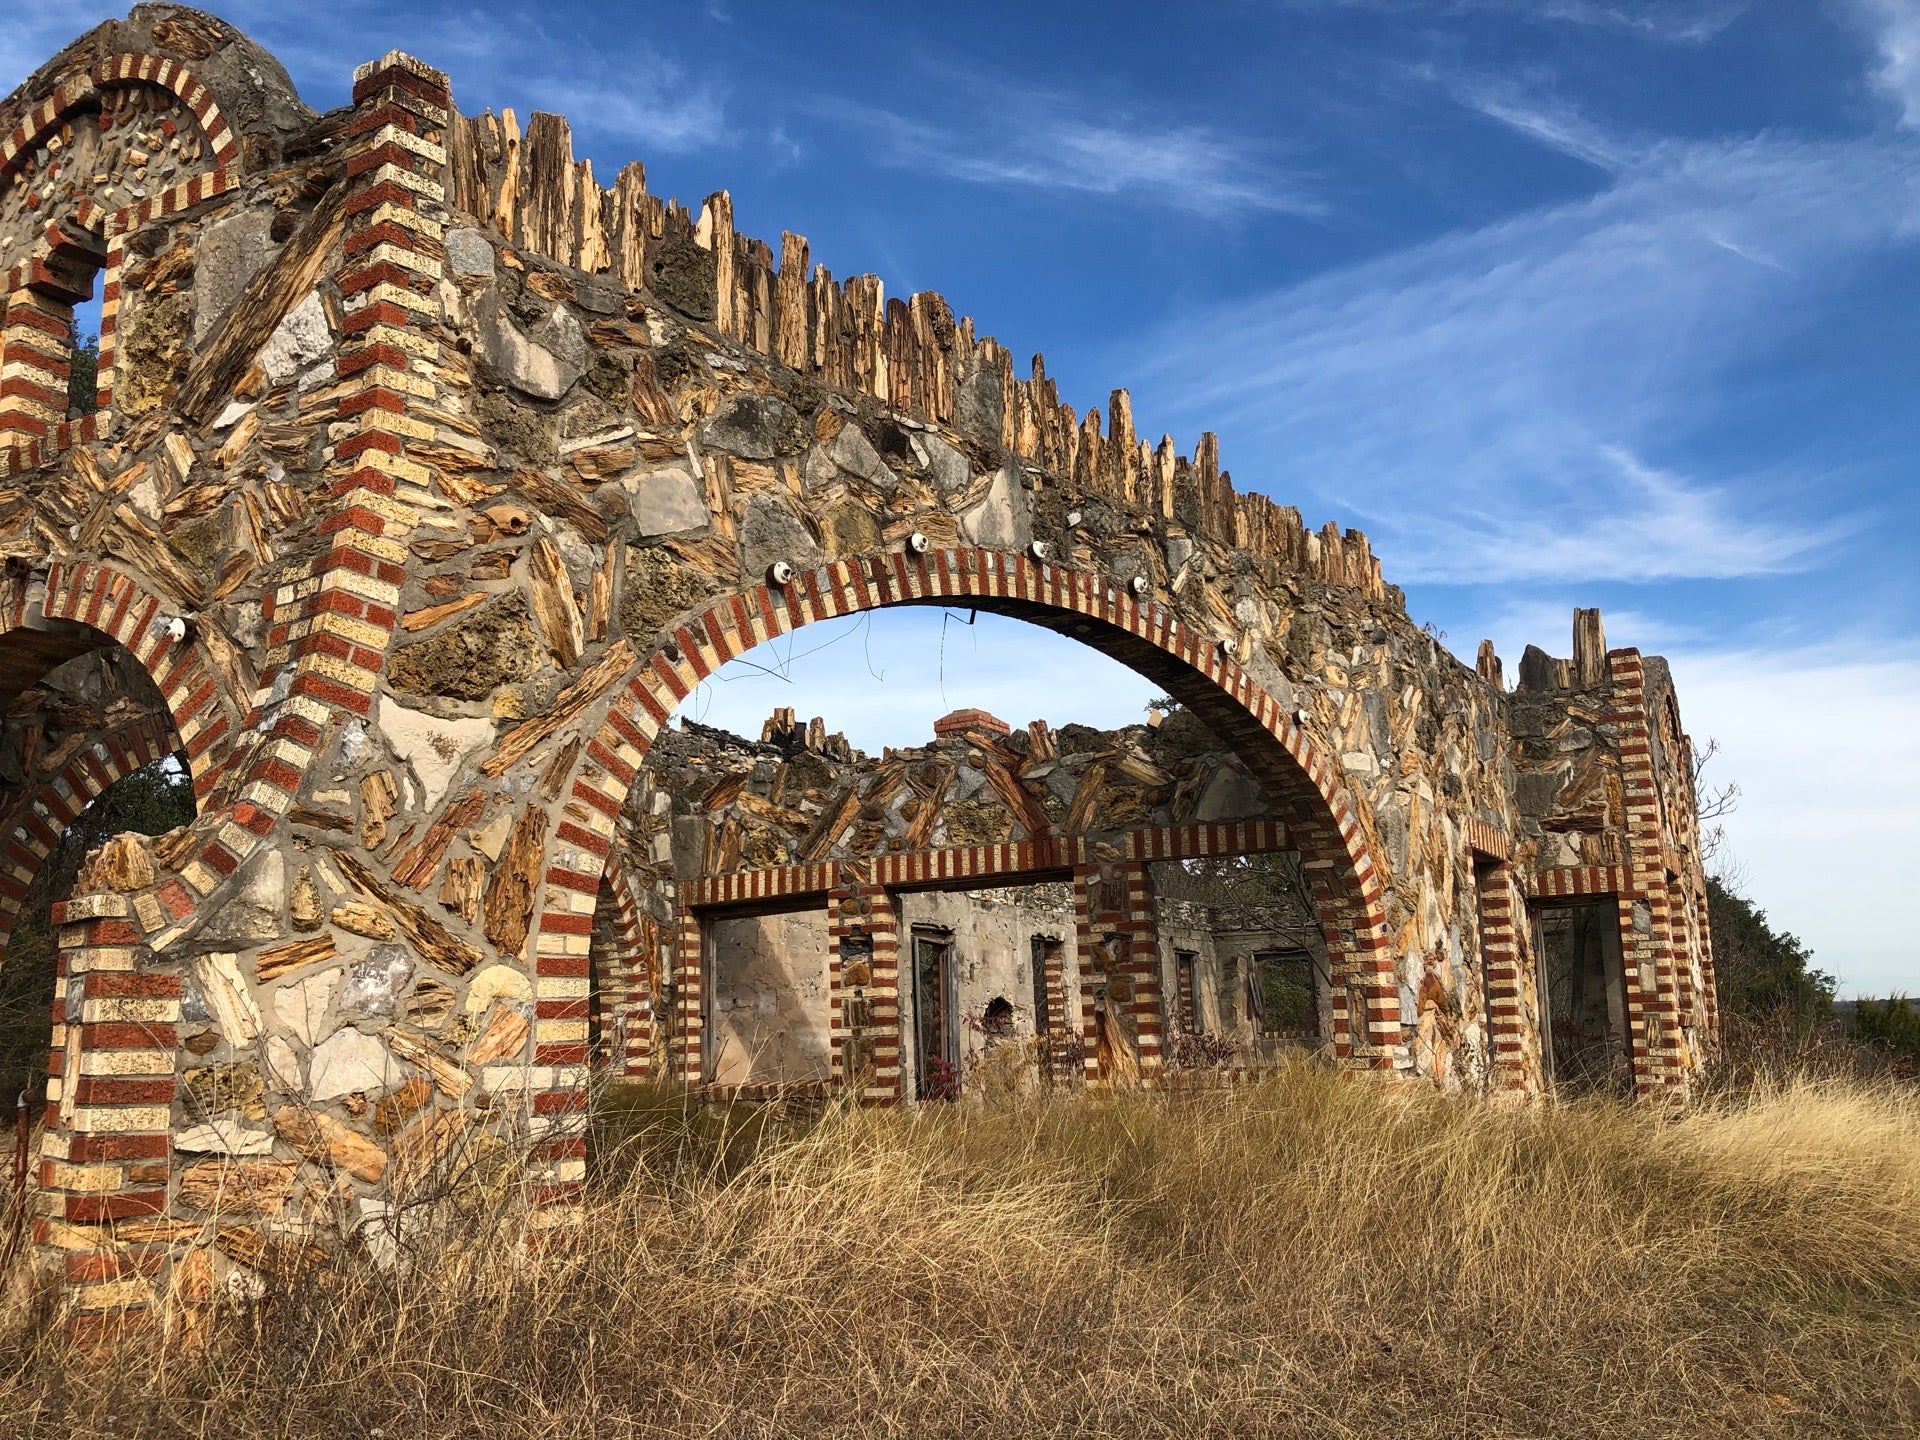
point(961, 720)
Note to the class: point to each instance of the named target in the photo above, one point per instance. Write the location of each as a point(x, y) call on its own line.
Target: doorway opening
point(1585, 1002)
point(936, 1032)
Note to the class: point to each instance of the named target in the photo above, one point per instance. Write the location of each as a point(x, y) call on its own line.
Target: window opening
point(1282, 994)
point(1186, 966)
point(1046, 956)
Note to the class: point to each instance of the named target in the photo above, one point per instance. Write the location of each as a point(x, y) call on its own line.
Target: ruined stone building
point(427, 475)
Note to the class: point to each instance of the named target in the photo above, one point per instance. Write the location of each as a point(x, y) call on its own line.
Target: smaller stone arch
point(54, 262)
point(34, 825)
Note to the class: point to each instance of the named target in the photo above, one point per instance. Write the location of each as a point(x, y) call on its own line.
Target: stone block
point(469, 255)
point(350, 1063)
point(666, 502)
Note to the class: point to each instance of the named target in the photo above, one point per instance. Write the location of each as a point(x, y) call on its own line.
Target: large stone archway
point(432, 474)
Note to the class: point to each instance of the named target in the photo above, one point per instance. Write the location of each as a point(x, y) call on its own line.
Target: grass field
point(1314, 1257)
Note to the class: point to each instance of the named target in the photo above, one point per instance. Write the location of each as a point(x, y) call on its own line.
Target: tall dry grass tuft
point(1314, 1257)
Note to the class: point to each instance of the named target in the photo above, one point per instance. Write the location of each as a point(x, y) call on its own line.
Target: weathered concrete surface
point(768, 1007)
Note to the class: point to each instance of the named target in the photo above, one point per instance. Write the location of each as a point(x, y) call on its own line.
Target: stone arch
point(1142, 635)
point(36, 823)
point(59, 271)
point(77, 608)
point(623, 961)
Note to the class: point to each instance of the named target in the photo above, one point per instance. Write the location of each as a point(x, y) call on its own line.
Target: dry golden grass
point(1314, 1258)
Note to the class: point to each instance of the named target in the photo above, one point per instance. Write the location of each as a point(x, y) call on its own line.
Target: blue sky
point(1562, 301)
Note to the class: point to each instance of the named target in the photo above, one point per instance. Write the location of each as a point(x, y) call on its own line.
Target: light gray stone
point(564, 338)
point(227, 257)
point(434, 749)
point(302, 1007)
point(772, 532)
point(544, 364)
point(1000, 521)
point(254, 913)
point(374, 984)
point(851, 453)
point(978, 402)
point(300, 339)
point(666, 502)
point(282, 1065)
point(224, 1137)
point(353, 742)
point(347, 1063)
point(379, 1231)
point(1231, 794)
point(469, 255)
point(947, 467)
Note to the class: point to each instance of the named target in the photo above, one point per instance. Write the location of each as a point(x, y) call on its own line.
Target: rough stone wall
point(1606, 808)
point(430, 477)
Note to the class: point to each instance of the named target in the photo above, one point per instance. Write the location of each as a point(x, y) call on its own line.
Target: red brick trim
point(1506, 961)
point(623, 975)
point(1581, 880)
point(1652, 995)
point(1012, 862)
point(1486, 840)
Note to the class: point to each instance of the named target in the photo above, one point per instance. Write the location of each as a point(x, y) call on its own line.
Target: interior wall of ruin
point(767, 1020)
point(993, 934)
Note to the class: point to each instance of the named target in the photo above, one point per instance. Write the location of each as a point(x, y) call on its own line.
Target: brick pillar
point(1652, 995)
point(1113, 907)
point(35, 361)
point(1086, 937)
point(104, 1156)
point(1060, 1068)
point(109, 323)
point(686, 1054)
point(861, 916)
point(1505, 957)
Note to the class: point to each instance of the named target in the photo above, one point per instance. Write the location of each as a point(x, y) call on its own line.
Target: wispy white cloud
point(664, 113)
point(1541, 116)
point(1077, 146)
point(1894, 26)
point(1667, 22)
point(1499, 404)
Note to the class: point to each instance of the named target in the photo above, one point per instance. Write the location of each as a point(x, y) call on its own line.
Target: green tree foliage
point(1893, 1025)
point(83, 381)
point(151, 801)
point(1763, 974)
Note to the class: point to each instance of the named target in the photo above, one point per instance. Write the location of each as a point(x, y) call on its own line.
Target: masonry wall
point(433, 476)
point(992, 932)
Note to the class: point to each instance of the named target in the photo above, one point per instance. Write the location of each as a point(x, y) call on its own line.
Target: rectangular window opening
point(1283, 994)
